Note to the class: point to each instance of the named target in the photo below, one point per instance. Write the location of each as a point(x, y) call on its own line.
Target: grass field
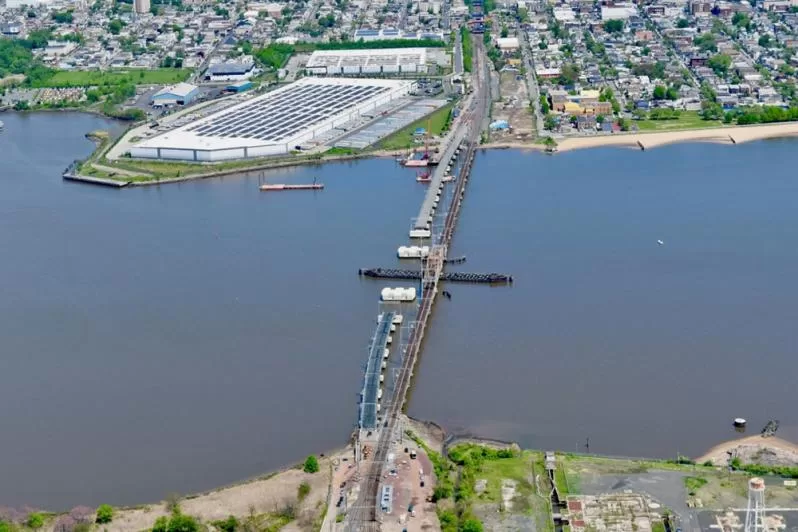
point(436, 123)
point(686, 120)
point(86, 78)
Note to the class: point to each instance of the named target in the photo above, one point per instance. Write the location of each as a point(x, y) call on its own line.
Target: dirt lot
point(513, 107)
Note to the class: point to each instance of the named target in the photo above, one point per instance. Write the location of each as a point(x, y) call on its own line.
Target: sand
point(722, 135)
point(754, 449)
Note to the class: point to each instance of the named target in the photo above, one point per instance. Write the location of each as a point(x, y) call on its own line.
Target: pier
point(458, 156)
point(369, 397)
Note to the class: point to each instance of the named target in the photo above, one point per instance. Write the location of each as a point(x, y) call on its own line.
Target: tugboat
point(424, 177)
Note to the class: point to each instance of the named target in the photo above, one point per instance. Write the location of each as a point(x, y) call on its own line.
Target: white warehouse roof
point(342, 59)
point(274, 122)
point(179, 90)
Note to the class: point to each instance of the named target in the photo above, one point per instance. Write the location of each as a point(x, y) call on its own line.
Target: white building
point(367, 62)
point(618, 12)
point(276, 122)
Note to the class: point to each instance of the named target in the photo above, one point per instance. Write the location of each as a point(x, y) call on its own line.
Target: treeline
point(766, 114)
point(468, 53)
point(760, 470)
point(16, 55)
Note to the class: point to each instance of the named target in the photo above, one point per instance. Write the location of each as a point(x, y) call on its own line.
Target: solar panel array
point(283, 114)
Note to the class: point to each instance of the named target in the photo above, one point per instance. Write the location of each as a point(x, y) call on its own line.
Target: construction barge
point(456, 277)
point(276, 187)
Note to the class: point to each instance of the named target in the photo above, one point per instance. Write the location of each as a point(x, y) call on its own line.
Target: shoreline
point(730, 135)
point(654, 139)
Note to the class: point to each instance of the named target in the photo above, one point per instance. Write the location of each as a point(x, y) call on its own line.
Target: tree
point(682, 23)
point(720, 64)
point(672, 93)
point(311, 465)
point(115, 26)
point(35, 520)
point(105, 513)
point(550, 122)
point(765, 41)
point(706, 42)
point(569, 74)
point(711, 111)
point(63, 17)
point(613, 26)
point(505, 32)
point(472, 525)
point(228, 525)
point(544, 104)
point(176, 523)
point(659, 92)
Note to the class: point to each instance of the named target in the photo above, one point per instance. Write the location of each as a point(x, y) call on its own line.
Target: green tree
point(105, 513)
point(115, 26)
point(659, 92)
point(311, 465)
point(63, 17)
point(706, 42)
point(613, 26)
point(682, 23)
point(720, 64)
point(672, 93)
point(569, 74)
point(765, 41)
point(472, 525)
point(35, 520)
point(544, 104)
point(550, 122)
point(228, 525)
point(504, 33)
point(711, 111)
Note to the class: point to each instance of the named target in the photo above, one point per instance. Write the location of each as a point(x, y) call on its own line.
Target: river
point(178, 338)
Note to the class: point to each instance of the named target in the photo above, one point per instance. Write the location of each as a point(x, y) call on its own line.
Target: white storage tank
point(420, 233)
point(385, 353)
point(384, 365)
point(397, 319)
point(390, 340)
point(379, 394)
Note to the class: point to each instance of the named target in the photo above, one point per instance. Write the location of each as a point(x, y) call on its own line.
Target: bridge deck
point(456, 138)
point(371, 380)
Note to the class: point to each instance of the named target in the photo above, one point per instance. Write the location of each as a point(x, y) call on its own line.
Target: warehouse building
point(180, 94)
point(231, 70)
point(390, 61)
point(276, 122)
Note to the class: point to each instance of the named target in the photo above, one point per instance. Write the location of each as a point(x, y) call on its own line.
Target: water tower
point(755, 515)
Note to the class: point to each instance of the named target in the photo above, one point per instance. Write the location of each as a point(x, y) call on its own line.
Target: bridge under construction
point(380, 427)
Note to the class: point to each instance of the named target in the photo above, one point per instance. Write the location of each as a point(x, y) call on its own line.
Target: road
point(531, 79)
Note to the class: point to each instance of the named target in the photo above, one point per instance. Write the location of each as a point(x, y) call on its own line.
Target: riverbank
point(144, 173)
point(647, 140)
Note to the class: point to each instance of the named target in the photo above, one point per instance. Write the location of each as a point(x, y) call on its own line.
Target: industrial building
point(231, 70)
point(276, 122)
point(180, 94)
point(367, 35)
point(389, 61)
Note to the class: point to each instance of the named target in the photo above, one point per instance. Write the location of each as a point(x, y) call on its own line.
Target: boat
point(447, 178)
point(2, 125)
point(417, 158)
point(423, 177)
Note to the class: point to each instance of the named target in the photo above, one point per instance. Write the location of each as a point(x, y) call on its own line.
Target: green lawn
point(436, 123)
point(86, 78)
point(686, 120)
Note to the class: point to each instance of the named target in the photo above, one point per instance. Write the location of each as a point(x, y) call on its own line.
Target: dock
point(280, 186)
point(456, 277)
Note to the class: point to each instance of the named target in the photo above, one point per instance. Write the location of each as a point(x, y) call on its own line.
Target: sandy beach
point(722, 135)
point(772, 451)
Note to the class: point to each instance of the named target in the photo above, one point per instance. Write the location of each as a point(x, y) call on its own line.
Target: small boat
point(423, 177)
point(660, 242)
point(447, 178)
point(2, 125)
